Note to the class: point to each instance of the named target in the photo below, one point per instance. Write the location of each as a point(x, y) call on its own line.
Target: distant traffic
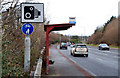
point(80, 48)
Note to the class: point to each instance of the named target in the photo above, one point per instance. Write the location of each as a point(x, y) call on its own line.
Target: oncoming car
point(103, 47)
point(79, 49)
point(63, 45)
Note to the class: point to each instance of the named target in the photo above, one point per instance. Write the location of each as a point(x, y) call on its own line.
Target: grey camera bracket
point(32, 12)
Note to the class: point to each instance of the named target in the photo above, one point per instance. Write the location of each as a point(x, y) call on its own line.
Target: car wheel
point(73, 54)
point(86, 55)
point(102, 49)
point(99, 49)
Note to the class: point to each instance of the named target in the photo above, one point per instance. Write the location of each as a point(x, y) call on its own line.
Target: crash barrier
point(38, 70)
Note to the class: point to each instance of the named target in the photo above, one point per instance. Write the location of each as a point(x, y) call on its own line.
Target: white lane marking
point(116, 57)
point(83, 67)
point(105, 54)
point(99, 59)
point(104, 51)
point(73, 61)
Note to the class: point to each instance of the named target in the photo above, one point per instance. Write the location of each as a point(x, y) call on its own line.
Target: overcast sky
point(89, 13)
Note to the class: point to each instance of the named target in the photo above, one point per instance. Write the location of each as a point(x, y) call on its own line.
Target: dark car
point(63, 46)
point(103, 47)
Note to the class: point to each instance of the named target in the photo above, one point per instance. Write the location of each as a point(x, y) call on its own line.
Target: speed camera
point(32, 12)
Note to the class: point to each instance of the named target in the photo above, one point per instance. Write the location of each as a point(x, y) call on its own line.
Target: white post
point(27, 54)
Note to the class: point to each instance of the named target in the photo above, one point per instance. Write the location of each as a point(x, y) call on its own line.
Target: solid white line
point(83, 68)
point(73, 60)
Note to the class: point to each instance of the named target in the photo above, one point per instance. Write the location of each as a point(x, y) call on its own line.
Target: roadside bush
point(13, 44)
point(95, 38)
point(108, 34)
point(111, 34)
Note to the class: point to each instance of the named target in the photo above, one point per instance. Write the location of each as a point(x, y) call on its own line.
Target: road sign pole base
point(27, 54)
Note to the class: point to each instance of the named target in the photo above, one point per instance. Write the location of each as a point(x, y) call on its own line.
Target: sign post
point(30, 13)
point(27, 29)
point(27, 54)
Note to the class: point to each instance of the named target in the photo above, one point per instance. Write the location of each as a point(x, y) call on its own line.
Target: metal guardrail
point(38, 70)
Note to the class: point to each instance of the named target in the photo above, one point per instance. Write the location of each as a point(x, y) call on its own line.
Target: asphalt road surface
point(98, 62)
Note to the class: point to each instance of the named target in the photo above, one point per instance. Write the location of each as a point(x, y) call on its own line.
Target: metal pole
point(27, 54)
point(47, 51)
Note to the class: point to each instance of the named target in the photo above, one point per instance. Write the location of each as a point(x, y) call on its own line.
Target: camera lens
point(31, 8)
point(27, 15)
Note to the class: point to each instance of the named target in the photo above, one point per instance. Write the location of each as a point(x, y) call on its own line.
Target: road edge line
point(84, 72)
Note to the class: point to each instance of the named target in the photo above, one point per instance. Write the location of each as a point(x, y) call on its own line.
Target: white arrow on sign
point(27, 32)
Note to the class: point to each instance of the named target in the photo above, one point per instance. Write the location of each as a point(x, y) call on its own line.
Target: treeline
point(13, 42)
point(108, 33)
point(54, 38)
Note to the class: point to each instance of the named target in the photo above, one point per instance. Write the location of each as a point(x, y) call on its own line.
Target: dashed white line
point(105, 54)
point(99, 59)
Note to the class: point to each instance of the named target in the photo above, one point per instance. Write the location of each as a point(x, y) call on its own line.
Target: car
point(63, 46)
point(71, 45)
point(103, 47)
point(79, 49)
point(68, 43)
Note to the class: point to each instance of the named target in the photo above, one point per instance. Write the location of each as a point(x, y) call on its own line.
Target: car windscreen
point(104, 45)
point(81, 46)
point(64, 44)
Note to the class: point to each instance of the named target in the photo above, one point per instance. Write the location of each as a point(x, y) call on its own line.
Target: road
point(98, 63)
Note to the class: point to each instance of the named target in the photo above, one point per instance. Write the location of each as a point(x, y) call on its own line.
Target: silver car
point(79, 49)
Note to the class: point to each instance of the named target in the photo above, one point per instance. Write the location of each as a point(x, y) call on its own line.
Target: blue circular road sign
point(27, 29)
